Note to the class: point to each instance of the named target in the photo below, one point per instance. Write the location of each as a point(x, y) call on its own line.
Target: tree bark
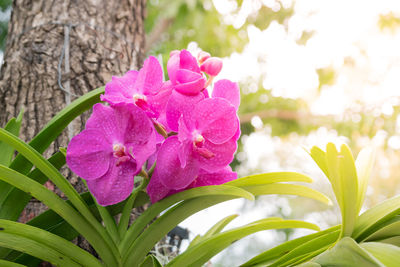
point(56, 46)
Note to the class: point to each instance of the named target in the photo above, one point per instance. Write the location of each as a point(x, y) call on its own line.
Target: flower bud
point(212, 66)
point(203, 56)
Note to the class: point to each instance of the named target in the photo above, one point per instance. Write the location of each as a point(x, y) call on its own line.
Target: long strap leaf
point(55, 176)
point(16, 200)
point(53, 241)
point(146, 217)
point(36, 249)
point(51, 200)
point(203, 251)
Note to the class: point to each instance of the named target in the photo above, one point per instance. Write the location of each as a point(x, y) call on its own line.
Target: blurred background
point(310, 72)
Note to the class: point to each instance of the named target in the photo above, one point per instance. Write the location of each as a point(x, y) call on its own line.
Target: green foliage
point(47, 236)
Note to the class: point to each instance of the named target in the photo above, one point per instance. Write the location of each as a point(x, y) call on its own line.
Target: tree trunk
point(59, 49)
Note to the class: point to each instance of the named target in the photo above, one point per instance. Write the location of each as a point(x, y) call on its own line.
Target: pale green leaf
point(347, 253)
point(348, 190)
point(282, 249)
point(268, 178)
point(211, 246)
point(387, 254)
point(364, 163)
point(215, 229)
point(370, 221)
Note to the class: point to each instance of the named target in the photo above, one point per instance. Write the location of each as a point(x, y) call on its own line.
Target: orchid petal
point(228, 90)
point(223, 155)
point(169, 165)
point(216, 119)
point(150, 77)
point(88, 154)
point(114, 186)
point(178, 105)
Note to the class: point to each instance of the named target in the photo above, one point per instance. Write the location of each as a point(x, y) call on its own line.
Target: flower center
point(198, 143)
point(140, 100)
point(198, 140)
point(120, 154)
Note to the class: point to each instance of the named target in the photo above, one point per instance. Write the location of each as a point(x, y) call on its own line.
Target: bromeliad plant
point(369, 239)
point(174, 142)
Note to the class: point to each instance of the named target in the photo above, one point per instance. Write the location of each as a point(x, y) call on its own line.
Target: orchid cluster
point(190, 135)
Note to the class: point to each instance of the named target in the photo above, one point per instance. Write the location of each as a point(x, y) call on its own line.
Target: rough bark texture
point(105, 38)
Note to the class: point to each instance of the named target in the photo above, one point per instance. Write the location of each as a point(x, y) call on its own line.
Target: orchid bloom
point(144, 88)
point(206, 140)
point(111, 150)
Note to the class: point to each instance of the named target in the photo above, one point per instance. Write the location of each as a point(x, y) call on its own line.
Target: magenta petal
point(88, 154)
point(189, 62)
point(158, 102)
point(169, 165)
point(137, 127)
point(216, 178)
point(155, 189)
point(185, 76)
point(191, 88)
point(108, 120)
point(216, 119)
point(178, 105)
point(173, 66)
point(149, 79)
point(115, 186)
point(120, 89)
point(228, 90)
point(223, 155)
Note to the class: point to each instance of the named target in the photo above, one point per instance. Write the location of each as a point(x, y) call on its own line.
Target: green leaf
point(4, 263)
point(53, 241)
point(391, 240)
point(56, 177)
point(52, 222)
point(153, 211)
point(385, 253)
point(348, 190)
point(364, 163)
point(35, 249)
point(217, 228)
point(150, 261)
point(15, 202)
point(268, 178)
point(288, 189)
point(66, 211)
point(138, 249)
point(282, 249)
point(319, 156)
point(206, 249)
point(347, 253)
point(7, 152)
point(370, 221)
point(386, 230)
point(303, 250)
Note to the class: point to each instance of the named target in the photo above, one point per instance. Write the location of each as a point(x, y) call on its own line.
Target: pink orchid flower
point(144, 88)
point(111, 150)
point(205, 140)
